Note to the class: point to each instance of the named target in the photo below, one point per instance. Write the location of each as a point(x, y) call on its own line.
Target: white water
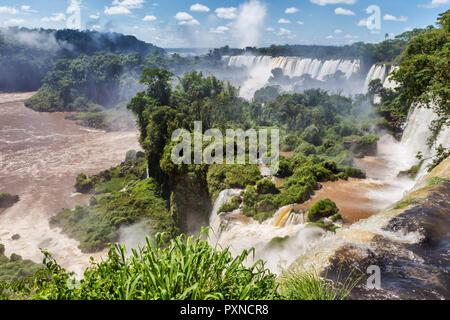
point(375, 72)
point(313, 245)
point(260, 68)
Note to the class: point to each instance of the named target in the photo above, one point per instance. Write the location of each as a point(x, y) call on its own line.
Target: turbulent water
point(40, 157)
point(357, 199)
point(260, 71)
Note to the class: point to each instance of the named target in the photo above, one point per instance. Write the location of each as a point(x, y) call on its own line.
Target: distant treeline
point(26, 55)
point(386, 51)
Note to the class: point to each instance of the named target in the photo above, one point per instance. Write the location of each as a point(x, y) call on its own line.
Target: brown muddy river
point(40, 157)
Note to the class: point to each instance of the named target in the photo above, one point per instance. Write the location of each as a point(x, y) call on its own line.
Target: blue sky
point(214, 23)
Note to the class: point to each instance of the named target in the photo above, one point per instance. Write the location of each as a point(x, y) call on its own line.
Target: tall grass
point(309, 285)
point(181, 268)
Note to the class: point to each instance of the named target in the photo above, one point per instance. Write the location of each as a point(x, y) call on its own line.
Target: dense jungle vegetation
point(26, 55)
point(323, 132)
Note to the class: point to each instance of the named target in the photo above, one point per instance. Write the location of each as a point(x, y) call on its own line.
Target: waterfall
point(417, 133)
point(376, 72)
point(260, 69)
point(296, 67)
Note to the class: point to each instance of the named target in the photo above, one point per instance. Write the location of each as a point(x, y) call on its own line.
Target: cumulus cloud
point(284, 21)
point(284, 32)
point(291, 10)
point(344, 12)
point(130, 4)
point(117, 10)
point(249, 23)
point(434, 4)
point(94, 16)
point(192, 22)
point(149, 18)
point(330, 37)
point(185, 19)
point(390, 17)
point(300, 22)
point(338, 31)
point(327, 2)
point(27, 9)
point(226, 13)
point(56, 17)
point(182, 16)
point(9, 10)
point(220, 30)
point(199, 8)
point(363, 23)
point(123, 7)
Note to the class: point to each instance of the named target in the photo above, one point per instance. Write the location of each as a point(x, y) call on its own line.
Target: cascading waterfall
point(260, 69)
point(377, 71)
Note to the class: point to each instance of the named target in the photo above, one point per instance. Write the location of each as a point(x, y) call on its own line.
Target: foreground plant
point(183, 268)
point(309, 285)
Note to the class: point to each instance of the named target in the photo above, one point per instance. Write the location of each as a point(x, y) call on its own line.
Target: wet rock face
point(420, 270)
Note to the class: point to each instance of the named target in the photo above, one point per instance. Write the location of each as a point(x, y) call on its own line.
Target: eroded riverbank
point(40, 157)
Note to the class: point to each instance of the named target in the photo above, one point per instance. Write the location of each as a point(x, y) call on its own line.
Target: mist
point(249, 24)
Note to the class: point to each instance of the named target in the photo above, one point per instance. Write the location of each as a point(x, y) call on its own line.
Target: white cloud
point(434, 4)
point(390, 17)
point(192, 22)
point(27, 9)
point(96, 27)
point(9, 10)
point(183, 16)
point(300, 22)
point(330, 37)
point(284, 32)
point(344, 12)
point(199, 8)
point(13, 22)
point(94, 16)
point(374, 31)
point(149, 18)
point(130, 4)
point(349, 36)
point(56, 17)
point(284, 21)
point(226, 13)
point(338, 31)
point(220, 30)
point(185, 19)
point(291, 10)
point(269, 29)
point(117, 10)
point(363, 23)
point(123, 7)
point(326, 2)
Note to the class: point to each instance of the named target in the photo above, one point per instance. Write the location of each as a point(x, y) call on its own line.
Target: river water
point(40, 157)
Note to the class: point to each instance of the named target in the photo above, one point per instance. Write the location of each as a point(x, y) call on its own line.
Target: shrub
point(231, 206)
point(83, 184)
point(322, 209)
point(185, 268)
point(7, 200)
point(266, 186)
